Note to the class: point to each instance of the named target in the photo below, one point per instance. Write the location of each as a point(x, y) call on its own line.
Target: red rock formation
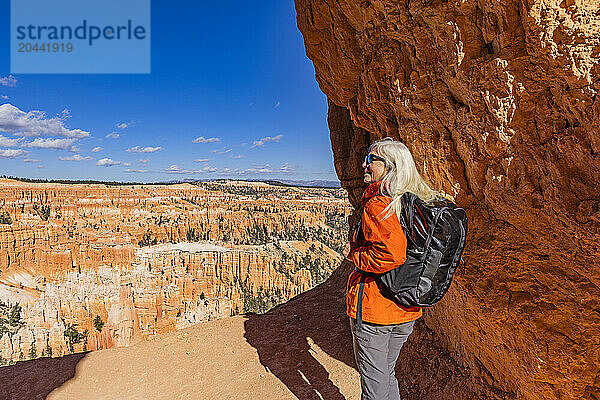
point(498, 102)
point(138, 258)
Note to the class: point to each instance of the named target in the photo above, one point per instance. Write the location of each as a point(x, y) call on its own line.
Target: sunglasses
point(372, 157)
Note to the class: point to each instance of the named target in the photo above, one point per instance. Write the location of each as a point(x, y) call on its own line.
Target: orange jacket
point(381, 247)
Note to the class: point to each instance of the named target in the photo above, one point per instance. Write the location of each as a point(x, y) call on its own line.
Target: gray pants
point(376, 350)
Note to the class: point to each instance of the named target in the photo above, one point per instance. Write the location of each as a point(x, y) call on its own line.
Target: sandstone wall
point(497, 100)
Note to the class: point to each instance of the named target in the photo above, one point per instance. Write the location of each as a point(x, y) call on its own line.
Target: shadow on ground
point(425, 369)
point(280, 337)
point(35, 379)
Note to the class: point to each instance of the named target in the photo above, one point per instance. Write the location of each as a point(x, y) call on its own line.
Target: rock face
point(497, 101)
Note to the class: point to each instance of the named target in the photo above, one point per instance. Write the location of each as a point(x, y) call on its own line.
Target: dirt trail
point(208, 361)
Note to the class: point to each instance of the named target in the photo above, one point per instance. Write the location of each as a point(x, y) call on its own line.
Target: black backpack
point(435, 236)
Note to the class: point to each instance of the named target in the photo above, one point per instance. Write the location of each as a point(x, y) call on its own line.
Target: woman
point(379, 325)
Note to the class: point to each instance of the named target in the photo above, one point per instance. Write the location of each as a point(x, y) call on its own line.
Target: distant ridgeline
point(90, 266)
point(306, 184)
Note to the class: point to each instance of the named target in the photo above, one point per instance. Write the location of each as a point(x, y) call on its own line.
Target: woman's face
point(375, 170)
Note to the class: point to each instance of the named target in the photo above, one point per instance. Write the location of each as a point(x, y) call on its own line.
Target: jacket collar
point(373, 189)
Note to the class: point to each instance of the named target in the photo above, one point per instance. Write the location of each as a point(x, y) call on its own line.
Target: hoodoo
point(498, 102)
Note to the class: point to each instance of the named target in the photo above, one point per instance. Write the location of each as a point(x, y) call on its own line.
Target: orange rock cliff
point(498, 102)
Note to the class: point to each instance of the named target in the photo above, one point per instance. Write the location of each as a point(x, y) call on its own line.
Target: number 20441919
point(45, 47)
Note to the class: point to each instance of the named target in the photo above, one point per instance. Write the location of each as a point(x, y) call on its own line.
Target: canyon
point(89, 267)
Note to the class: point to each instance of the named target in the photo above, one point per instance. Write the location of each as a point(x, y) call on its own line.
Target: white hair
point(402, 175)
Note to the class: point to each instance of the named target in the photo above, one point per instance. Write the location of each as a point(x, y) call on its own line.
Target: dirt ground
point(208, 361)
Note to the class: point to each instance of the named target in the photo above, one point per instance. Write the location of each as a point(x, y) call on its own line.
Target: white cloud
point(43, 143)
point(174, 169)
point(202, 139)
point(266, 169)
point(208, 168)
point(236, 171)
point(144, 160)
point(10, 81)
point(221, 152)
point(237, 157)
point(113, 135)
point(138, 171)
point(259, 169)
point(32, 160)
point(50, 143)
point(127, 164)
point(107, 162)
point(8, 142)
point(12, 153)
point(202, 160)
point(96, 149)
point(4, 97)
point(286, 168)
point(75, 157)
point(277, 105)
point(266, 139)
point(138, 149)
point(39, 166)
point(35, 123)
point(124, 125)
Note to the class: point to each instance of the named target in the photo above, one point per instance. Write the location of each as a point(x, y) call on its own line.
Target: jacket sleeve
point(385, 243)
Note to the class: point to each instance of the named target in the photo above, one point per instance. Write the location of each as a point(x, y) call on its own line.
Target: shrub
point(42, 210)
point(73, 335)
point(5, 218)
point(32, 352)
point(98, 324)
point(147, 240)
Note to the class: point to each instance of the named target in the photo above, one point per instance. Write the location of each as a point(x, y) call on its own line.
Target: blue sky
point(231, 94)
